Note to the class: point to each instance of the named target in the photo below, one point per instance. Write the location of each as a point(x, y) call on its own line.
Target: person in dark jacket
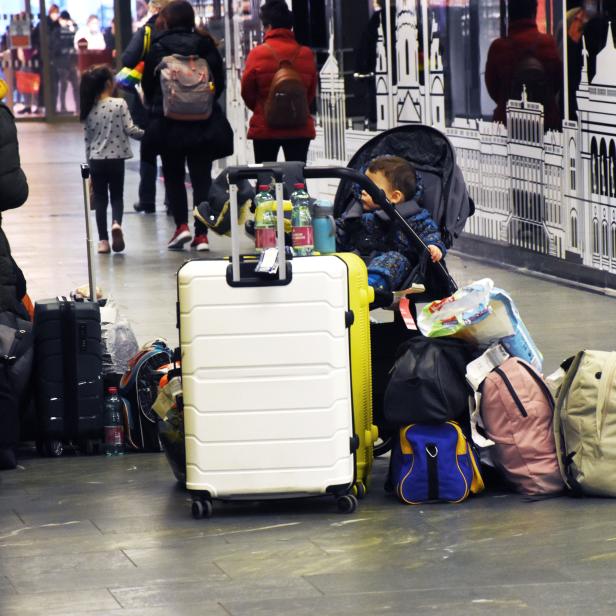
point(134, 53)
point(196, 143)
point(13, 194)
point(64, 58)
point(261, 65)
point(506, 54)
point(366, 230)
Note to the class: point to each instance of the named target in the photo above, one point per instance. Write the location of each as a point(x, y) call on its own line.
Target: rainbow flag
point(129, 77)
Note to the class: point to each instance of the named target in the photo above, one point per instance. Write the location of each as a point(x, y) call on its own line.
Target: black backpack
point(428, 383)
point(529, 72)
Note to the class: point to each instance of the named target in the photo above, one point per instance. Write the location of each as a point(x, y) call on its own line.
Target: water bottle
point(114, 426)
point(324, 227)
point(265, 222)
point(302, 235)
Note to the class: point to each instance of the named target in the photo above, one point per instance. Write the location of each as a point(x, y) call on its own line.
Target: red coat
point(501, 64)
point(261, 65)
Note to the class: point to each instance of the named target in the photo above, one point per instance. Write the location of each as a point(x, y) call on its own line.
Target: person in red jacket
point(524, 55)
point(261, 65)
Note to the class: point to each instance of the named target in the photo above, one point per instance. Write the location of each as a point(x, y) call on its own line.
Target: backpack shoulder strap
point(274, 53)
point(559, 437)
point(147, 40)
point(281, 60)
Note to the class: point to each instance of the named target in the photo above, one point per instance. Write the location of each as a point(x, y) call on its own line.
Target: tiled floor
point(114, 536)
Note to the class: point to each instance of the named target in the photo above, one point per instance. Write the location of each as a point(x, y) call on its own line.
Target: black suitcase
point(68, 364)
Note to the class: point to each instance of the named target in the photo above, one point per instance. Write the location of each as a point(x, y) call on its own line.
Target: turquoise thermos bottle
point(324, 227)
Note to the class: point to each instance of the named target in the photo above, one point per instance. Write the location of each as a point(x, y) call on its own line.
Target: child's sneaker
point(103, 247)
point(200, 243)
point(117, 238)
point(179, 238)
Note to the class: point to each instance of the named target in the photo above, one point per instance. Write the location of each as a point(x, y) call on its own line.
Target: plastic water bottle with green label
point(302, 236)
point(265, 221)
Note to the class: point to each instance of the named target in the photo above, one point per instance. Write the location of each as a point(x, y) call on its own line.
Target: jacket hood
point(180, 41)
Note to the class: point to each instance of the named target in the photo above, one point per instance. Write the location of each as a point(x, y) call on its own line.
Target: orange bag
point(27, 83)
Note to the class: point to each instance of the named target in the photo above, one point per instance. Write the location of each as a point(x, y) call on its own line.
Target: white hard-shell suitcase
point(266, 376)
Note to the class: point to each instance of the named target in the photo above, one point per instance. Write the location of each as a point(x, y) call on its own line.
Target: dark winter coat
point(524, 39)
point(62, 46)
point(261, 66)
point(13, 193)
point(133, 54)
point(214, 135)
point(387, 250)
point(13, 184)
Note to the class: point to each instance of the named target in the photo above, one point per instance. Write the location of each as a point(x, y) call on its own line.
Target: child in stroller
point(442, 191)
point(366, 230)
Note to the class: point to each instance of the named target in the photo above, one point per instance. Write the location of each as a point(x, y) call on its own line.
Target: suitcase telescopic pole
point(85, 176)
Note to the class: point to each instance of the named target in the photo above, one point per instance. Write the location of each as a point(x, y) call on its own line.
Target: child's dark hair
point(276, 13)
point(93, 83)
point(400, 174)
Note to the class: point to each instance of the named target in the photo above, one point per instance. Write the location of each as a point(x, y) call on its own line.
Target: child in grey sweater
point(108, 126)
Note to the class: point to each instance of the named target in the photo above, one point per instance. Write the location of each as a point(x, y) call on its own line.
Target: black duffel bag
point(428, 383)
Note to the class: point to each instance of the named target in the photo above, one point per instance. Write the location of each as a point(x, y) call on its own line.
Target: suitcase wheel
point(347, 503)
point(359, 490)
point(201, 509)
point(50, 448)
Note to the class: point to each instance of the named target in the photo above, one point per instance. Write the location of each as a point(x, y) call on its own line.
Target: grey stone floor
point(91, 535)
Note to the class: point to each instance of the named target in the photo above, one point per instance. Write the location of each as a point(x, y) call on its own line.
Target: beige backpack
point(187, 87)
point(585, 423)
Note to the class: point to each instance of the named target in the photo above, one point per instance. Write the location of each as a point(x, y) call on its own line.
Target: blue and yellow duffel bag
point(434, 463)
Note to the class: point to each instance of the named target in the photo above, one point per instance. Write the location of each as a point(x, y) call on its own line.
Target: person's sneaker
point(103, 247)
point(117, 238)
point(200, 243)
point(146, 208)
point(179, 238)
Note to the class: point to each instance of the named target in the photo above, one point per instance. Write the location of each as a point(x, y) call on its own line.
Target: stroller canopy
point(445, 195)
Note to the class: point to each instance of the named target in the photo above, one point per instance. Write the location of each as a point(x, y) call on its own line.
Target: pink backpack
point(517, 412)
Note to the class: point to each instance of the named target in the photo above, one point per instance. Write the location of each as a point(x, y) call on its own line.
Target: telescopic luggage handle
point(254, 172)
point(85, 176)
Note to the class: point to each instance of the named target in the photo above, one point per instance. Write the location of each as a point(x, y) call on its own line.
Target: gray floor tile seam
point(451, 586)
point(114, 598)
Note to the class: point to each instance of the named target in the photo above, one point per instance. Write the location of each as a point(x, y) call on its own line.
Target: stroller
point(445, 196)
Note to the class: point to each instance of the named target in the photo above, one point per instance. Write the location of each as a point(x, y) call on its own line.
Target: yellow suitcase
point(361, 295)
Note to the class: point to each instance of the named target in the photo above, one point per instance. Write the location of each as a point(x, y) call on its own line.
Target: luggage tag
point(268, 262)
point(405, 304)
point(405, 311)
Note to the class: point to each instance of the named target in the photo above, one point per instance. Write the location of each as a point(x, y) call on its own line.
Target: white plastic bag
point(119, 341)
point(482, 315)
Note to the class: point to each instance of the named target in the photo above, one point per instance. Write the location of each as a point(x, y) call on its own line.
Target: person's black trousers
point(266, 150)
point(174, 170)
point(107, 185)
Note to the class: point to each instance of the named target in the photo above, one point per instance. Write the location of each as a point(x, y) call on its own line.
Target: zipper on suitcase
point(514, 396)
